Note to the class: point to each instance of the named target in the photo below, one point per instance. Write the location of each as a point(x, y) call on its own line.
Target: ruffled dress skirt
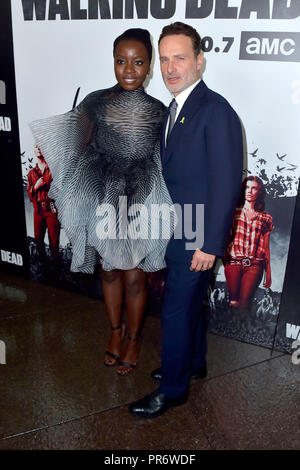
point(112, 201)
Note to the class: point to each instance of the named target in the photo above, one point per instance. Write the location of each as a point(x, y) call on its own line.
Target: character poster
point(245, 297)
point(63, 51)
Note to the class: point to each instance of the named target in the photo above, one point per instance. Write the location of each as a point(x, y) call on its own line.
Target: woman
point(104, 157)
point(248, 252)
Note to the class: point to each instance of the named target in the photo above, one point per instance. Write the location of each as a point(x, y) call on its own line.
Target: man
point(202, 164)
point(45, 212)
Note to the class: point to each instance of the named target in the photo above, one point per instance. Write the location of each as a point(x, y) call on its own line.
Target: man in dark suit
point(202, 155)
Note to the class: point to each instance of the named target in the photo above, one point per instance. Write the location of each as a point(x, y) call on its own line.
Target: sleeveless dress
point(107, 182)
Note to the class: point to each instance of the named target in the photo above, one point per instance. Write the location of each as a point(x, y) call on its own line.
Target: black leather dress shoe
point(155, 404)
point(200, 373)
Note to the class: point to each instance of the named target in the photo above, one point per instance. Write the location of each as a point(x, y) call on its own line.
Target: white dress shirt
point(180, 100)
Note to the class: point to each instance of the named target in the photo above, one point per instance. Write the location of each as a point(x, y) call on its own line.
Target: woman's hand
point(39, 183)
point(268, 280)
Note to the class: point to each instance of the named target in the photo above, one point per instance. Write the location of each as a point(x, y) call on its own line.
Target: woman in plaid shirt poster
point(248, 254)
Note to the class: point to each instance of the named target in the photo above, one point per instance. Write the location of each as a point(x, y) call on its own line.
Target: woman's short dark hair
point(138, 34)
point(182, 28)
point(259, 205)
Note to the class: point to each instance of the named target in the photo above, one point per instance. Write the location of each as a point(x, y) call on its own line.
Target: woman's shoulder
point(156, 107)
point(266, 215)
point(95, 96)
point(157, 102)
point(267, 219)
point(238, 211)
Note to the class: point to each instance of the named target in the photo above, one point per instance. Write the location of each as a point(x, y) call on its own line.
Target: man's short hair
point(182, 28)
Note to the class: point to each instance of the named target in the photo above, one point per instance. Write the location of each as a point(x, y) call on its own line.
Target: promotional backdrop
point(252, 54)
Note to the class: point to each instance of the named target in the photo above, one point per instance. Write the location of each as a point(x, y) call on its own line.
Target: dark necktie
point(172, 114)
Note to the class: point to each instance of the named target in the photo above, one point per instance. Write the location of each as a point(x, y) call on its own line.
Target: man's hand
point(202, 261)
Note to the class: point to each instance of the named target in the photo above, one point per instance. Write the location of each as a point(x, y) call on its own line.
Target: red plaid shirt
point(247, 239)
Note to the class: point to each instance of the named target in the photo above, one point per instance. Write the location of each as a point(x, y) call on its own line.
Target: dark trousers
point(184, 327)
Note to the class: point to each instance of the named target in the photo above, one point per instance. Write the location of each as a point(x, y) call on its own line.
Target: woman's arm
point(268, 279)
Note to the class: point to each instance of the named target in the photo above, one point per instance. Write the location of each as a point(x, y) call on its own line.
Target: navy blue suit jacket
point(202, 164)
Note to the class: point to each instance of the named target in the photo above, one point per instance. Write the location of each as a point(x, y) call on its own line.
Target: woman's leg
point(112, 287)
point(233, 274)
point(136, 297)
point(250, 281)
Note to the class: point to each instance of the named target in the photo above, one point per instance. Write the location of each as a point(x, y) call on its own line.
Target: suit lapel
point(189, 108)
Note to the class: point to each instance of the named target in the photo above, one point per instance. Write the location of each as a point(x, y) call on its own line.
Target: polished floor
point(56, 393)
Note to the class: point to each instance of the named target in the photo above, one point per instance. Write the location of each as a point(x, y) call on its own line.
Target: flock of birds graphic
point(262, 161)
point(280, 183)
point(28, 166)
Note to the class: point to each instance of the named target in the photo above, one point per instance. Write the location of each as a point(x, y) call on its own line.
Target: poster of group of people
point(63, 51)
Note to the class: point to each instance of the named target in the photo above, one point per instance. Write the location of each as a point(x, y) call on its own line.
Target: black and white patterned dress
point(105, 160)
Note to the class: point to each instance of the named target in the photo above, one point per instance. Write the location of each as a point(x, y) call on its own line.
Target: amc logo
point(257, 45)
